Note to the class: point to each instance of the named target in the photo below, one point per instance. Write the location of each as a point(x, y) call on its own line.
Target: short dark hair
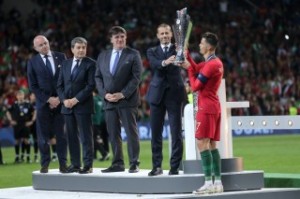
point(211, 38)
point(163, 25)
point(116, 30)
point(79, 40)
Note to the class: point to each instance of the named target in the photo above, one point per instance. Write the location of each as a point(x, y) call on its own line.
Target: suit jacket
point(81, 86)
point(125, 80)
point(41, 82)
point(164, 78)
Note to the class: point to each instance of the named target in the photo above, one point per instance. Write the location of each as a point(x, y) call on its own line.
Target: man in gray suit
point(75, 87)
point(117, 78)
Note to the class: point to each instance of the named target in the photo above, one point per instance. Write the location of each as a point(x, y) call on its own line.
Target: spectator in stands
point(255, 34)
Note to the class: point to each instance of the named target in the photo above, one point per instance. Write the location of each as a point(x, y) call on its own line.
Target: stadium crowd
point(259, 43)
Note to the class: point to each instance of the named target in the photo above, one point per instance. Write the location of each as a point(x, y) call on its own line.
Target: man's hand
point(67, 103)
point(13, 122)
point(115, 97)
point(30, 123)
point(109, 97)
point(186, 64)
point(53, 102)
point(74, 101)
point(170, 60)
point(70, 103)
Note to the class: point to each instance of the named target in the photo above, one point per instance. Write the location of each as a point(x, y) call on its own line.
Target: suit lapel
point(107, 61)
point(42, 63)
point(69, 68)
point(160, 52)
point(55, 59)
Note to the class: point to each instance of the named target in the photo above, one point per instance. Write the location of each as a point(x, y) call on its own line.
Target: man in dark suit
point(166, 94)
point(117, 78)
point(43, 70)
point(75, 87)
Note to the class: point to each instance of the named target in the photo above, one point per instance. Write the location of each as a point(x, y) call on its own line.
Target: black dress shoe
point(73, 169)
point(133, 168)
point(173, 172)
point(113, 168)
point(155, 172)
point(63, 169)
point(44, 169)
point(86, 170)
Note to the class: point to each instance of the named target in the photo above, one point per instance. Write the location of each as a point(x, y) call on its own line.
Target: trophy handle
point(188, 34)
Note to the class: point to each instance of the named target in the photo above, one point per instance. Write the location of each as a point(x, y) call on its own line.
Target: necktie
point(166, 50)
point(48, 64)
point(114, 68)
point(75, 69)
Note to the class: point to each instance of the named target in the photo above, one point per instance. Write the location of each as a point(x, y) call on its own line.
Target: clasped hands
point(114, 97)
point(70, 103)
point(53, 102)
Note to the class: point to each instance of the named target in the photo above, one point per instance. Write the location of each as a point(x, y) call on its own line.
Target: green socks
point(216, 163)
point(211, 163)
point(206, 158)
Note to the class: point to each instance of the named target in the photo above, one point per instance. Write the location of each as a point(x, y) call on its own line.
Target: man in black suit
point(117, 78)
point(43, 70)
point(75, 87)
point(166, 94)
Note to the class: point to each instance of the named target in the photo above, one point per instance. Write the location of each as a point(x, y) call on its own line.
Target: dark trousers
point(128, 117)
point(47, 123)
point(104, 136)
point(79, 128)
point(157, 118)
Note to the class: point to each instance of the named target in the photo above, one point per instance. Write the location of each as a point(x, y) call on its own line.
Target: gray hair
point(79, 40)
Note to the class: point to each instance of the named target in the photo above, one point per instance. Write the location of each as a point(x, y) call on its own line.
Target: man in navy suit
point(166, 94)
point(75, 87)
point(117, 78)
point(43, 70)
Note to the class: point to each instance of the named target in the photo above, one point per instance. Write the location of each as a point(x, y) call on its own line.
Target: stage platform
point(141, 183)
point(29, 192)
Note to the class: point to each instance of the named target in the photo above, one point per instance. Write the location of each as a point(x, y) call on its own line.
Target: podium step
point(29, 192)
point(141, 183)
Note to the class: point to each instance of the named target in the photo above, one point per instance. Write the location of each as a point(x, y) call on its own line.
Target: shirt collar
point(49, 55)
point(115, 50)
point(164, 45)
point(74, 59)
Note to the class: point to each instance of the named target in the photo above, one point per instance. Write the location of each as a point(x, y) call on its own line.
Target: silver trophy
point(182, 30)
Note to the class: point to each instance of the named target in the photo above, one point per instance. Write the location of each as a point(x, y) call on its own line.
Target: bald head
point(41, 44)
